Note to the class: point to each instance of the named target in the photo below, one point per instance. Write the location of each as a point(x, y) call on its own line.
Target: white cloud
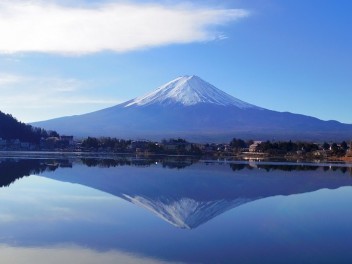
point(46, 26)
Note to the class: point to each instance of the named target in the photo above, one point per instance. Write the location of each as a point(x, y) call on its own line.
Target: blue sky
point(67, 57)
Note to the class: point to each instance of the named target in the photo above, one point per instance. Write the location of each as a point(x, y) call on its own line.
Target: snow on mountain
point(189, 90)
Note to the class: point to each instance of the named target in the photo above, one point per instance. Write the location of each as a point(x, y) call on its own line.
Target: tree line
point(181, 146)
point(304, 147)
point(11, 128)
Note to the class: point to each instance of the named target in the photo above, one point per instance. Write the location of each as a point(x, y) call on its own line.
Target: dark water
point(174, 211)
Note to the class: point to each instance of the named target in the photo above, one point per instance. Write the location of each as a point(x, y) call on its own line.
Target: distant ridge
point(191, 108)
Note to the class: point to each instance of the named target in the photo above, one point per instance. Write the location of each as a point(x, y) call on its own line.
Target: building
point(174, 145)
point(3, 143)
point(349, 151)
point(67, 139)
point(25, 145)
point(253, 147)
point(139, 145)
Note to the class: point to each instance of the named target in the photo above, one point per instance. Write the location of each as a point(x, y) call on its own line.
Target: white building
point(253, 147)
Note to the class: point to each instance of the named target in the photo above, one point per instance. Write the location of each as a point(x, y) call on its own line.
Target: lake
point(173, 210)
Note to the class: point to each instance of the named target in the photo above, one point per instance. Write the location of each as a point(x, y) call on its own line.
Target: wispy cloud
point(50, 27)
point(6, 79)
point(27, 97)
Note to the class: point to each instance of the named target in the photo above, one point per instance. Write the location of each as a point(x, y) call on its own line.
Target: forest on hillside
point(11, 128)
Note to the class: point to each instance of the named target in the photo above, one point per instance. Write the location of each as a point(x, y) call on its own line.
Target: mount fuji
point(191, 108)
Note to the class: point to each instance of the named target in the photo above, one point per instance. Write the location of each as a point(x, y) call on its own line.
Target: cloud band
point(37, 26)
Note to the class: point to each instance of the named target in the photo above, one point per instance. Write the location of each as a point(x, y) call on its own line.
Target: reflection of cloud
point(71, 254)
point(39, 26)
point(59, 217)
point(7, 218)
point(49, 202)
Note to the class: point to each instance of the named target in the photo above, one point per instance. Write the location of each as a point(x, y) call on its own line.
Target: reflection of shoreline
point(166, 162)
point(12, 168)
point(181, 163)
point(291, 167)
point(262, 157)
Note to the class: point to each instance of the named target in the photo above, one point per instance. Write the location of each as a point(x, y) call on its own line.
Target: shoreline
point(242, 157)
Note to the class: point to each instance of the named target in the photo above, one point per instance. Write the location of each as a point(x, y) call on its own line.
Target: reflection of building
point(252, 163)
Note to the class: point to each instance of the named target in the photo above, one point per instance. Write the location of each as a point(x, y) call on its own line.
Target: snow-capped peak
point(188, 90)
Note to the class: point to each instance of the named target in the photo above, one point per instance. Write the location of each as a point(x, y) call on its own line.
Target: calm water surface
point(174, 211)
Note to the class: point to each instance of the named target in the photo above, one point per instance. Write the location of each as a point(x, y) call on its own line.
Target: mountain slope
point(192, 108)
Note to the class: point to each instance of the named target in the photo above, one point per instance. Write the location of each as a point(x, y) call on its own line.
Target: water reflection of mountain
point(185, 198)
point(190, 197)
